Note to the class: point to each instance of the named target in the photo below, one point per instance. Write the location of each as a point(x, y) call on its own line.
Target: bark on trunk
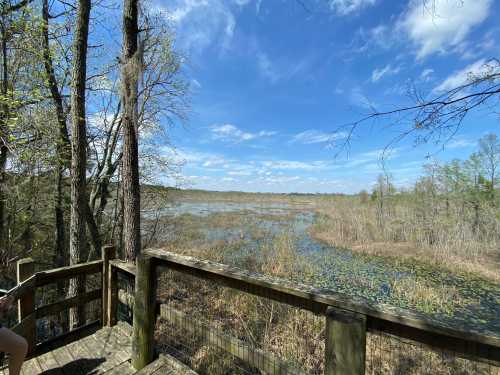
point(4, 136)
point(131, 70)
point(63, 146)
point(79, 154)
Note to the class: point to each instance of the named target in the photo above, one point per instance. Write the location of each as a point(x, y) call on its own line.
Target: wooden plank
point(307, 297)
point(126, 267)
point(144, 313)
point(108, 253)
point(111, 352)
point(57, 307)
point(264, 361)
point(26, 302)
point(66, 338)
point(178, 368)
point(31, 367)
point(48, 362)
point(17, 291)
point(112, 302)
point(345, 347)
point(57, 274)
point(123, 369)
point(153, 367)
point(64, 359)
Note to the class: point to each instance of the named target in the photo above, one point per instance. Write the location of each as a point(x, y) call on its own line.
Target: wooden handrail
point(57, 274)
point(378, 318)
point(24, 292)
point(307, 297)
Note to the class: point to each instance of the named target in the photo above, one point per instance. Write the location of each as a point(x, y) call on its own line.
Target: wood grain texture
point(107, 351)
point(313, 299)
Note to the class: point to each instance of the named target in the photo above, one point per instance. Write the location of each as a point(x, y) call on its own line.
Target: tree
point(489, 153)
point(79, 153)
point(131, 72)
point(63, 145)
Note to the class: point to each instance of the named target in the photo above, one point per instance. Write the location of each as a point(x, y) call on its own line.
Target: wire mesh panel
point(126, 283)
point(389, 354)
point(218, 330)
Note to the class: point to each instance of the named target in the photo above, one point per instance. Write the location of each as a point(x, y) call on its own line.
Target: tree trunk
point(63, 146)
point(4, 150)
point(131, 71)
point(79, 154)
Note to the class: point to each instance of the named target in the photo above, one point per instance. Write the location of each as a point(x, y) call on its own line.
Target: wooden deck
point(108, 351)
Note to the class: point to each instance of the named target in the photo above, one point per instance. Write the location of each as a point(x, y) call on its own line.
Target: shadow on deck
point(107, 351)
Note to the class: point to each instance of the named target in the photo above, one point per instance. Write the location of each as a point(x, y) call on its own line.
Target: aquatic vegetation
point(285, 247)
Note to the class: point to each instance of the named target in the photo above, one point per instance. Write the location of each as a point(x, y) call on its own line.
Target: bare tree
point(489, 152)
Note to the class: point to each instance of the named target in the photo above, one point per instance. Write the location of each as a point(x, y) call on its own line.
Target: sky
point(272, 81)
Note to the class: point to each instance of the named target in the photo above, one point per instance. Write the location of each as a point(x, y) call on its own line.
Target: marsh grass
point(448, 240)
point(292, 335)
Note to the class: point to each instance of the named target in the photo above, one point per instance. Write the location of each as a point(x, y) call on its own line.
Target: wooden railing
point(28, 313)
point(348, 319)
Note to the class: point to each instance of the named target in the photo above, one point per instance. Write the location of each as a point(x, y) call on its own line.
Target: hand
point(5, 303)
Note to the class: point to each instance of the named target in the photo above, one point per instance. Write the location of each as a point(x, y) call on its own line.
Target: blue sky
point(272, 79)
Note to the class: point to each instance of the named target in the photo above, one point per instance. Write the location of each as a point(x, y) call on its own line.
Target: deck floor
point(108, 351)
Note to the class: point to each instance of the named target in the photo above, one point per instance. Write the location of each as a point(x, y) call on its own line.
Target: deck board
point(107, 351)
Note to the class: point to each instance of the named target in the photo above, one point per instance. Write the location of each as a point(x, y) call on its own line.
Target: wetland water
point(247, 229)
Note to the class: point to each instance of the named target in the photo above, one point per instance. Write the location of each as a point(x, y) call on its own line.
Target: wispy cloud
point(372, 157)
point(231, 133)
point(358, 98)
point(434, 28)
point(460, 77)
point(296, 165)
point(315, 136)
point(460, 142)
point(345, 7)
point(387, 70)
point(201, 23)
point(279, 69)
point(426, 74)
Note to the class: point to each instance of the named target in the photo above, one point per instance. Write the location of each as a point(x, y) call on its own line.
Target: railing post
point(108, 253)
point(26, 303)
point(144, 313)
point(345, 349)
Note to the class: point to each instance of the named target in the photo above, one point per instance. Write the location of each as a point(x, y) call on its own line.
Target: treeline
point(451, 214)
point(461, 189)
point(82, 119)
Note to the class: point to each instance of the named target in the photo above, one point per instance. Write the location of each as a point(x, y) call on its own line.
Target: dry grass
point(293, 335)
point(447, 240)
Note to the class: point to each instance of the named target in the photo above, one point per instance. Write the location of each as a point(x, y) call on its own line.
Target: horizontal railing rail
point(29, 281)
point(343, 313)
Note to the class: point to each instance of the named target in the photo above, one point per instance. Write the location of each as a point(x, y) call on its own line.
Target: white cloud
point(296, 165)
point(443, 25)
point(359, 99)
point(266, 67)
point(195, 84)
point(460, 143)
point(426, 74)
point(378, 155)
point(231, 133)
point(465, 75)
point(387, 70)
point(345, 7)
point(281, 68)
point(200, 23)
point(315, 136)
